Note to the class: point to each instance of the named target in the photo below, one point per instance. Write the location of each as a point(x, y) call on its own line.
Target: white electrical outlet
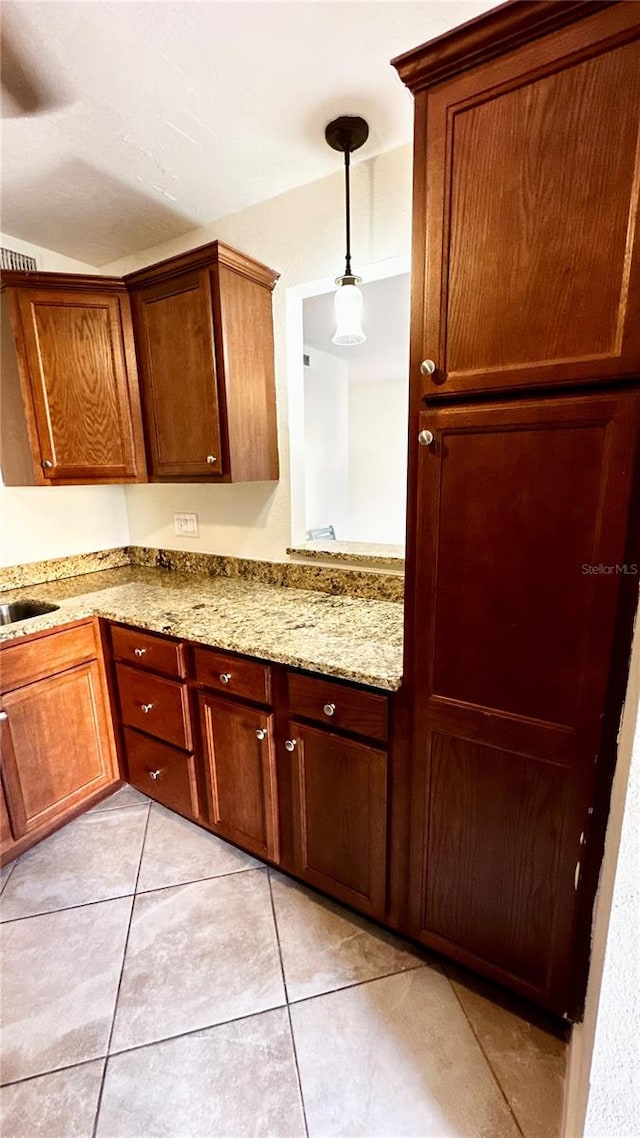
point(186, 525)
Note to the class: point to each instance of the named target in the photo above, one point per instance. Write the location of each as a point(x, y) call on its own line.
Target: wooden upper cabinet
point(204, 336)
point(78, 375)
point(526, 195)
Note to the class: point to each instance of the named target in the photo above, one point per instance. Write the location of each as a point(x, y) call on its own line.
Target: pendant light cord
point(347, 198)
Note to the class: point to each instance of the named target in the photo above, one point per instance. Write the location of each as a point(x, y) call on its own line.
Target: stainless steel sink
point(23, 610)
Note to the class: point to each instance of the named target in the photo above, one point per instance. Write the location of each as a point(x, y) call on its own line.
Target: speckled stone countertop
point(352, 552)
point(348, 637)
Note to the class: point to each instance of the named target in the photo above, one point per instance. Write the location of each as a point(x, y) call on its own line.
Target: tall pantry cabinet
point(524, 427)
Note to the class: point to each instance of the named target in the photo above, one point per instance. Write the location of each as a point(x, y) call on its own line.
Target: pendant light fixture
point(348, 133)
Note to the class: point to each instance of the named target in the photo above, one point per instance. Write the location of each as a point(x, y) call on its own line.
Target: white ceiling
point(165, 116)
point(385, 321)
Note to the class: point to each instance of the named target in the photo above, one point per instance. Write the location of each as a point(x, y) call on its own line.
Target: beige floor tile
point(395, 1057)
point(5, 874)
point(198, 955)
point(177, 851)
point(325, 947)
point(125, 796)
point(92, 859)
point(58, 986)
point(528, 1062)
point(60, 1105)
point(234, 1081)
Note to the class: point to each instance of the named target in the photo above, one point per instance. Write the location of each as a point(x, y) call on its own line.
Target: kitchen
point(428, 764)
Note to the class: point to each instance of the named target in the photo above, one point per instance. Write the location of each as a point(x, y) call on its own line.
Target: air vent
point(11, 260)
point(306, 360)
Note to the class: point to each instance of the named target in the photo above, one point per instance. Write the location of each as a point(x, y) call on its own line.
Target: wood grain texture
point(79, 384)
point(354, 709)
point(6, 833)
point(144, 650)
point(175, 782)
point(167, 717)
point(509, 263)
point(60, 745)
point(26, 660)
point(340, 816)
point(248, 679)
point(244, 333)
point(215, 252)
point(241, 774)
point(511, 669)
point(173, 322)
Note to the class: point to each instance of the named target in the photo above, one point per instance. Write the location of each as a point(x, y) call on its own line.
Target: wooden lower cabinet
point(6, 833)
point(240, 771)
point(57, 739)
point(340, 816)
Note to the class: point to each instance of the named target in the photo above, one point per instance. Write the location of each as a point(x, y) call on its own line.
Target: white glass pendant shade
point(348, 309)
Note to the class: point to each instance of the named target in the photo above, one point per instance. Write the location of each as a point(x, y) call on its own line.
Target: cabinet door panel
point(6, 835)
point(521, 530)
point(341, 816)
point(174, 336)
point(60, 746)
point(529, 196)
point(241, 774)
point(75, 352)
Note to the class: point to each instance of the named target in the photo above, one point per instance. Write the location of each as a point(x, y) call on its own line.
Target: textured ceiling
point(161, 117)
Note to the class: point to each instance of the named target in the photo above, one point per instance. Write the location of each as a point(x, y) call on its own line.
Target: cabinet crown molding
point(69, 282)
point(494, 33)
point(214, 253)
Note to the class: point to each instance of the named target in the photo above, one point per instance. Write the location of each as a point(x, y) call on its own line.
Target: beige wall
point(301, 234)
point(39, 522)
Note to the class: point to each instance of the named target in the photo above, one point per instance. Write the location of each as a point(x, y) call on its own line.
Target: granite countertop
point(352, 552)
point(349, 637)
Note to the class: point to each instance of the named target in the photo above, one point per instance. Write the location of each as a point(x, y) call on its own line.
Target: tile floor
point(158, 982)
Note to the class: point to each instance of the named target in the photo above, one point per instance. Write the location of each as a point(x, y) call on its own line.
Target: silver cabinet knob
point(211, 459)
point(146, 707)
point(225, 677)
point(425, 438)
point(427, 367)
point(261, 734)
point(3, 716)
point(140, 651)
point(329, 708)
point(291, 744)
point(47, 464)
point(154, 775)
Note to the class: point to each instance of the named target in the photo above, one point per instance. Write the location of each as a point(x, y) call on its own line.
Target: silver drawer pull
point(47, 464)
point(154, 775)
point(211, 459)
point(146, 707)
point(425, 438)
point(261, 734)
point(3, 716)
point(329, 708)
point(140, 651)
point(427, 367)
point(291, 744)
point(225, 677)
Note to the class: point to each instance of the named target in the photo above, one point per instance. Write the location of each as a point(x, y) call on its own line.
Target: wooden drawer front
point(339, 706)
point(163, 773)
point(159, 707)
point(24, 662)
point(235, 675)
point(147, 651)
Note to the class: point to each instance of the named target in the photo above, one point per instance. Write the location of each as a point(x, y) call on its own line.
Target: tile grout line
point(123, 896)
point(485, 1056)
point(288, 1006)
point(9, 875)
point(124, 958)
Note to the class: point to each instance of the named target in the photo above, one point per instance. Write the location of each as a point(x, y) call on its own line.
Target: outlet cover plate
point(186, 525)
